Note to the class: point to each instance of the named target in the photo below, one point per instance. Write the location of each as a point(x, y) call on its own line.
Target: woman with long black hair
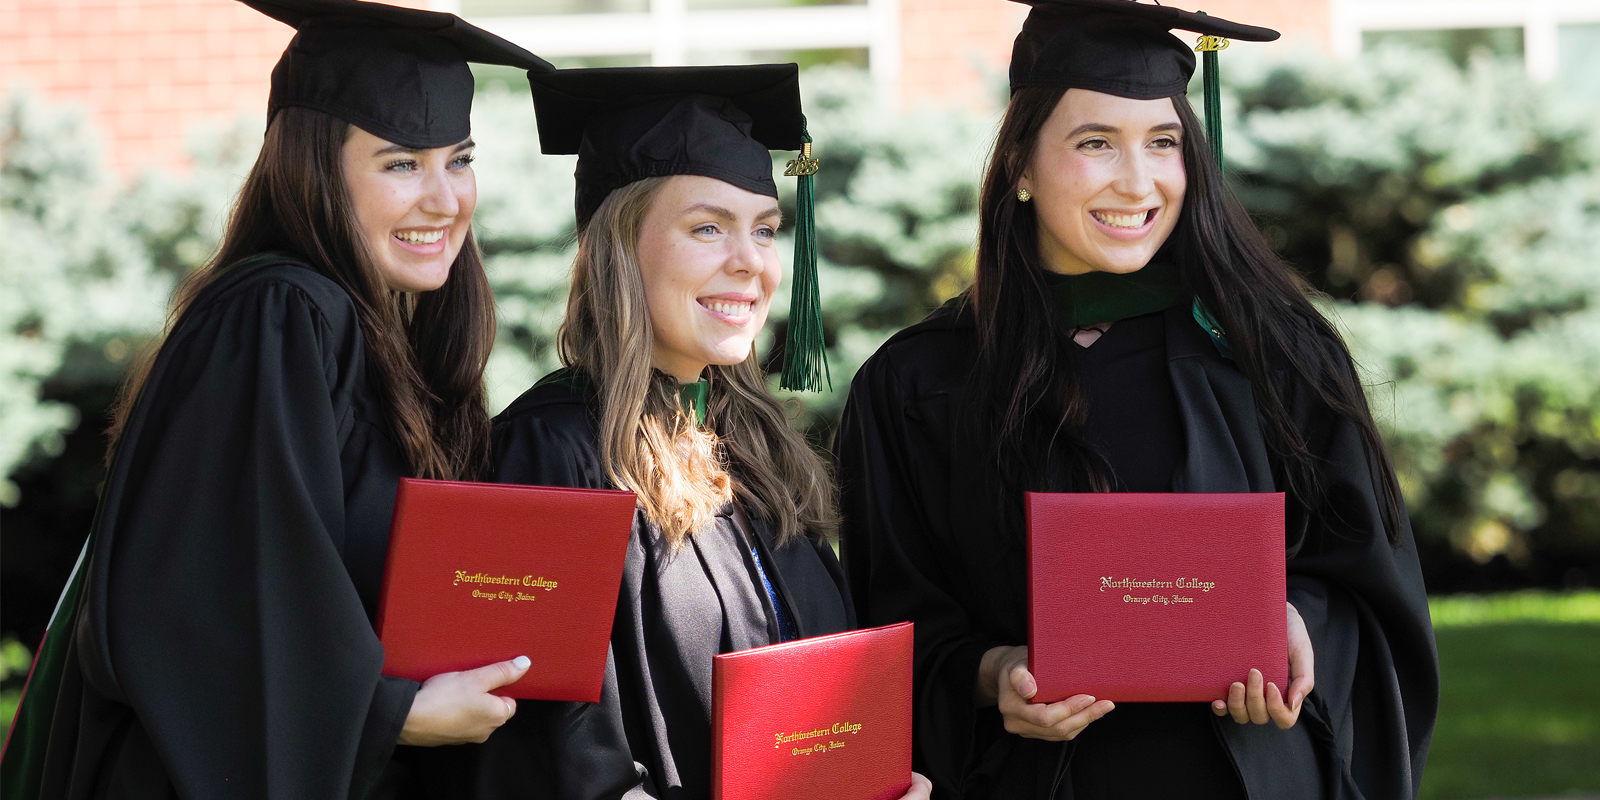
point(217, 639)
point(1129, 329)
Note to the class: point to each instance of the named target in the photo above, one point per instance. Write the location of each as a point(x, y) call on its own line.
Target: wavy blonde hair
point(683, 474)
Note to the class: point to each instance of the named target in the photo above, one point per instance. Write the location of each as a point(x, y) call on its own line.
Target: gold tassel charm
point(804, 165)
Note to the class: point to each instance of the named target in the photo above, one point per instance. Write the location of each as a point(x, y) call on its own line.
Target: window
point(592, 33)
point(520, 8)
point(1460, 44)
point(510, 8)
point(1580, 60)
point(708, 5)
point(840, 56)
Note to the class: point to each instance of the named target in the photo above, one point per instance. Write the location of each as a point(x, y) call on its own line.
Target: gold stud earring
point(1024, 195)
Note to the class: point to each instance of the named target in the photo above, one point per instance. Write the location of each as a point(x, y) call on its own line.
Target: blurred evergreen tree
point(87, 268)
point(73, 274)
point(1453, 216)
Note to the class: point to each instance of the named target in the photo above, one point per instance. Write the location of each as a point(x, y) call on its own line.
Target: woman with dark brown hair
point(217, 640)
point(1129, 330)
point(662, 395)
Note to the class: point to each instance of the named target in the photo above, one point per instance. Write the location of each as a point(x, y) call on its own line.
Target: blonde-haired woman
point(677, 266)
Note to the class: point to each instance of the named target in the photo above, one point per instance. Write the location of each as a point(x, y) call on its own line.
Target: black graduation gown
point(922, 541)
point(650, 734)
point(1143, 750)
point(225, 645)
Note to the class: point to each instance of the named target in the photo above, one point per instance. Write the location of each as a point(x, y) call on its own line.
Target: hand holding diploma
point(1003, 679)
point(1258, 702)
point(921, 788)
point(456, 707)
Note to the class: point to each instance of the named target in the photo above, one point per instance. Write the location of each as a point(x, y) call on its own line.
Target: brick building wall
point(147, 70)
point(954, 51)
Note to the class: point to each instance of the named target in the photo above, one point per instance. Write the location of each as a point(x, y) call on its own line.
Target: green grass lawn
point(1520, 709)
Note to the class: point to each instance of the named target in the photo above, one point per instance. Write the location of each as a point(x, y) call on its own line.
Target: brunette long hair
point(683, 474)
point(425, 353)
point(1033, 409)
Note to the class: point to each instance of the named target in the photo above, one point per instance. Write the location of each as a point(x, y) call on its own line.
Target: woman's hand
point(1003, 679)
point(921, 788)
point(1258, 702)
point(456, 707)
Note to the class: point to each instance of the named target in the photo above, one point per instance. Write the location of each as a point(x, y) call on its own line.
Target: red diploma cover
point(1155, 597)
point(825, 718)
point(484, 572)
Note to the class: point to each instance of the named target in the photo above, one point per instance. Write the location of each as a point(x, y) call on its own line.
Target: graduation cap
point(630, 123)
point(397, 73)
point(1125, 48)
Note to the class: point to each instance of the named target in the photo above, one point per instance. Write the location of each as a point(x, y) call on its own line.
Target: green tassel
point(805, 357)
point(1209, 45)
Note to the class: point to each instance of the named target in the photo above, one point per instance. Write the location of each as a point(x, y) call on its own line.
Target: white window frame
point(669, 31)
point(1540, 21)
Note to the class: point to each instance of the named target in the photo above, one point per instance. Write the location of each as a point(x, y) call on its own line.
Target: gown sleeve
point(1363, 600)
point(589, 754)
point(892, 552)
point(219, 608)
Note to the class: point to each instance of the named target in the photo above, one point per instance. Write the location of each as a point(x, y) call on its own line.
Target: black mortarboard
point(397, 73)
point(1118, 47)
point(630, 123)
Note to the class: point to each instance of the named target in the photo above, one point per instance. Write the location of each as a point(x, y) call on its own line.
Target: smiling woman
point(1129, 329)
point(218, 635)
point(662, 394)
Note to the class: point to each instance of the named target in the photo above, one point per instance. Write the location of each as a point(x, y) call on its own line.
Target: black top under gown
point(225, 645)
point(1143, 750)
point(922, 540)
point(650, 734)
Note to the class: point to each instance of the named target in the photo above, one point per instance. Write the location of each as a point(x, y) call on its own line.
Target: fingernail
point(522, 662)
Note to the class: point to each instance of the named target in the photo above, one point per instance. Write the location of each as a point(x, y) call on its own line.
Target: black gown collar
point(693, 397)
point(1224, 447)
